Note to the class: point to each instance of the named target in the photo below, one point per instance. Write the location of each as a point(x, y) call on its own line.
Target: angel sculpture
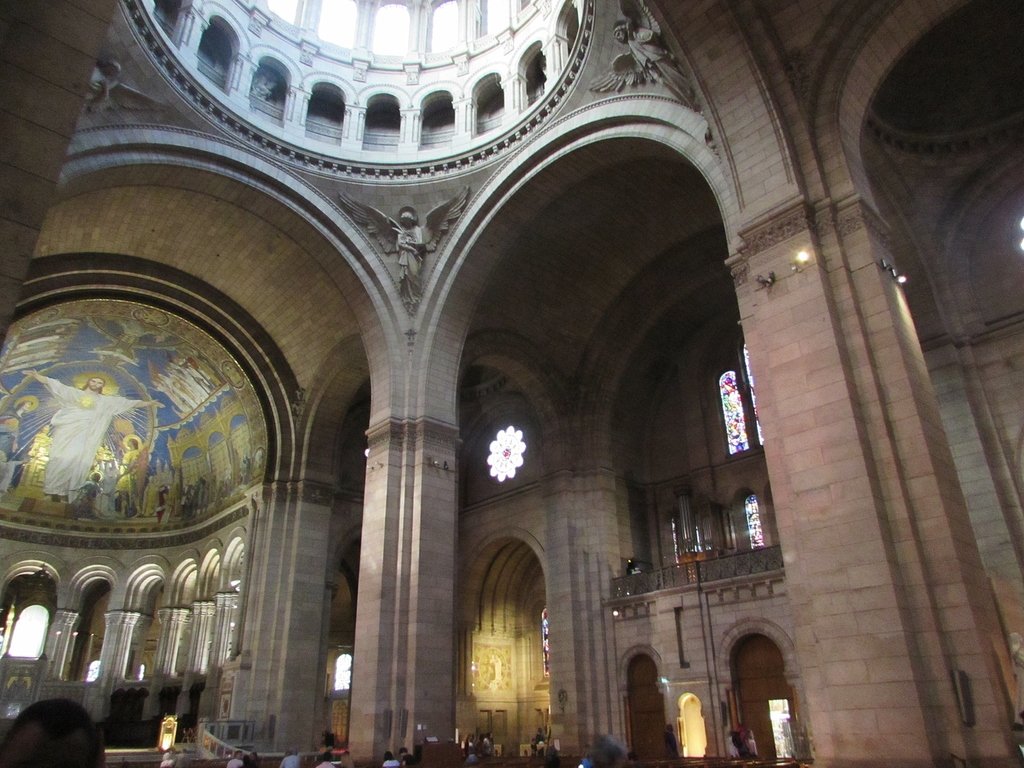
point(407, 237)
point(648, 60)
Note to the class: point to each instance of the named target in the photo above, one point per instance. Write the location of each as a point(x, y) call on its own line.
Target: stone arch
point(218, 46)
point(28, 563)
point(626, 658)
point(735, 634)
point(182, 582)
point(142, 582)
point(209, 571)
point(457, 280)
point(88, 575)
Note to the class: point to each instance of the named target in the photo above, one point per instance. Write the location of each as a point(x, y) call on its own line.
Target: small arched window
point(338, 22)
point(216, 52)
point(391, 30)
point(545, 641)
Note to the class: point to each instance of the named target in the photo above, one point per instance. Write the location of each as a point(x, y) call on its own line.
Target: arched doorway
point(646, 708)
point(693, 735)
point(764, 698)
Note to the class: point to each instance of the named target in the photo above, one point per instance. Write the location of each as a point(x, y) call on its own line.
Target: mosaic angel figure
point(407, 237)
point(648, 60)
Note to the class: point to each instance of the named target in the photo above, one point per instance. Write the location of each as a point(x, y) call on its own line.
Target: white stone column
point(404, 650)
point(173, 622)
point(60, 643)
point(225, 613)
point(202, 629)
point(118, 638)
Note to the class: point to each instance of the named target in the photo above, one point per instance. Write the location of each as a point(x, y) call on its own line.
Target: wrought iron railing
point(715, 569)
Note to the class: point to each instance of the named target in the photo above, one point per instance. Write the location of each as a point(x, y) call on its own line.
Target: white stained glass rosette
point(507, 450)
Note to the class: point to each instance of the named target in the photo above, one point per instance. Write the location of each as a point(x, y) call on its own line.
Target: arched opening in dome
point(269, 89)
point(286, 9)
point(444, 26)
point(490, 104)
point(383, 123)
point(391, 30)
point(326, 112)
point(217, 49)
point(167, 13)
point(568, 27)
point(492, 16)
point(338, 19)
point(534, 73)
point(438, 120)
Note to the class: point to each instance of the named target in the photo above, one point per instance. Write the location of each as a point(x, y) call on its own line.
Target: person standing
point(671, 743)
point(236, 760)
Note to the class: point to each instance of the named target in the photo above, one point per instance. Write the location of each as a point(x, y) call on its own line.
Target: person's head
point(95, 384)
point(607, 752)
point(52, 732)
point(388, 755)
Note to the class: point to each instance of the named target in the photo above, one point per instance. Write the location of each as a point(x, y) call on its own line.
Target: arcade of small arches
point(167, 621)
point(348, 96)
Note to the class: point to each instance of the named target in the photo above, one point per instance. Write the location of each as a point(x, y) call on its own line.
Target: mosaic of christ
point(114, 411)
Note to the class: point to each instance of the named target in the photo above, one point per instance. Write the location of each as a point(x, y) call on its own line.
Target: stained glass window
point(93, 673)
point(753, 510)
point(732, 411)
point(507, 450)
point(753, 393)
point(545, 639)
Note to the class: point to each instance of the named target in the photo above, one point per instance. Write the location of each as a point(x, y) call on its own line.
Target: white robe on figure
point(76, 429)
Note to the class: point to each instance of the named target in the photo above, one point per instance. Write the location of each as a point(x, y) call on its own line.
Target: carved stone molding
point(767, 234)
point(437, 435)
point(392, 431)
point(855, 215)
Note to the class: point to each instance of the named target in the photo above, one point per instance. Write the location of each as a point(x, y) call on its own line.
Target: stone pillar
point(582, 556)
point(404, 651)
point(284, 615)
point(202, 630)
point(173, 622)
point(118, 640)
point(225, 612)
point(890, 600)
point(61, 641)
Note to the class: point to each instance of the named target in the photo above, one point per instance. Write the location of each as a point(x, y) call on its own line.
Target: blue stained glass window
point(545, 638)
point(756, 532)
point(732, 412)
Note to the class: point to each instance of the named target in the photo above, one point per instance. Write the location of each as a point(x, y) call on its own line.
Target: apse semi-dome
point(398, 82)
point(118, 415)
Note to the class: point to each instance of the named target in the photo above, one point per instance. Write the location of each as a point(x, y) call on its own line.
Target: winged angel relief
point(648, 60)
point(407, 237)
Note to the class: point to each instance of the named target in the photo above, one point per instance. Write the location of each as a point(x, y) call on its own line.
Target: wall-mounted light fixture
point(888, 266)
point(766, 282)
point(801, 260)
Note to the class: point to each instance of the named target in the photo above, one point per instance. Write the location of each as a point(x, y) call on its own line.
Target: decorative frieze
point(790, 223)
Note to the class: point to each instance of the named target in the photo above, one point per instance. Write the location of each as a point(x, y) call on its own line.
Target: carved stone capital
point(777, 228)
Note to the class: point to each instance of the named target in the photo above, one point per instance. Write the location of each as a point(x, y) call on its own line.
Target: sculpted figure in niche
point(82, 419)
point(407, 237)
point(648, 60)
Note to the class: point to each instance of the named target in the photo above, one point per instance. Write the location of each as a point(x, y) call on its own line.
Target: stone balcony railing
point(699, 572)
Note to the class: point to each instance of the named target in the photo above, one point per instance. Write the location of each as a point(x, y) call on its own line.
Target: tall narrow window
point(753, 393)
point(1022, 227)
point(754, 529)
point(391, 30)
point(286, 9)
point(444, 26)
point(732, 412)
point(545, 639)
point(338, 22)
